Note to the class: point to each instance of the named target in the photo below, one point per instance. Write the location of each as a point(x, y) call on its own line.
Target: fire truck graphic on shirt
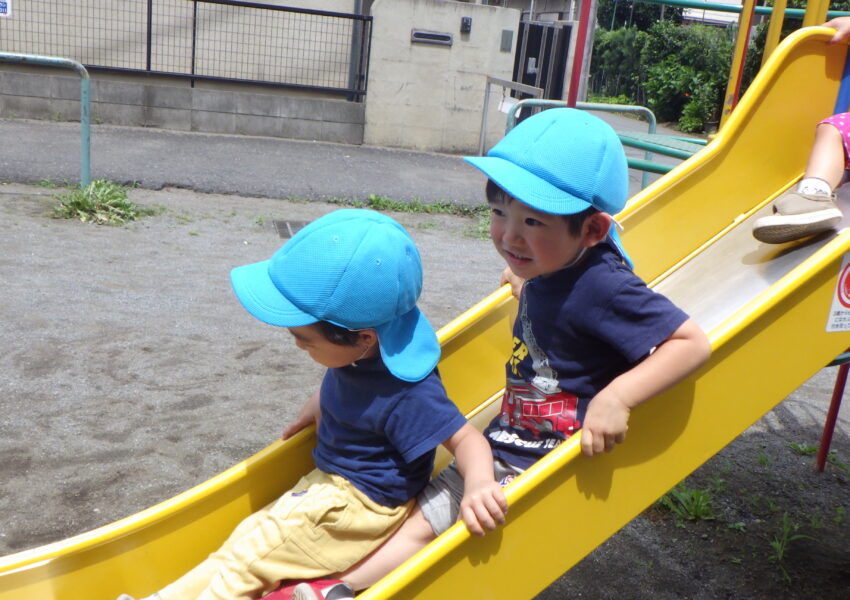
point(539, 405)
point(525, 407)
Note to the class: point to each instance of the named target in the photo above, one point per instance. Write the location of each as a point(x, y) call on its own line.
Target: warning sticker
point(839, 313)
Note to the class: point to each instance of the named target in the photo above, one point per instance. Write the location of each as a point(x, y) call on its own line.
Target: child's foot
point(323, 589)
point(797, 216)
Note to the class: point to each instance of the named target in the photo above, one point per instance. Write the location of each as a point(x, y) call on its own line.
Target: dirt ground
point(130, 373)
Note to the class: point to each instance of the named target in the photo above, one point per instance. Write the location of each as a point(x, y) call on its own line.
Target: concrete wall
point(52, 95)
point(431, 97)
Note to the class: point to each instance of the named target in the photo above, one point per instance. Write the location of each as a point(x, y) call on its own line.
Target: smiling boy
point(591, 341)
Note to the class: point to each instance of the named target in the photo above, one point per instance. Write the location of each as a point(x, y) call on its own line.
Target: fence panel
point(201, 39)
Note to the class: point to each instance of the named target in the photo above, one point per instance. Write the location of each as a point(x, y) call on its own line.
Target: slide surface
point(689, 234)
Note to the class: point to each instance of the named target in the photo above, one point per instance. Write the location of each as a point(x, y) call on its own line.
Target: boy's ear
point(595, 228)
point(367, 337)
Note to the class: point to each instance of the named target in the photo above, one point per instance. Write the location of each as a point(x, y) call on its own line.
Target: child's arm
point(309, 414)
point(607, 417)
point(483, 505)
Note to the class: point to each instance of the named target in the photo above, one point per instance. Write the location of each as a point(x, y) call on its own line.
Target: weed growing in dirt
point(102, 202)
point(781, 542)
point(382, 203)
point(688, 504)
point(803, 449)
point(832, 459)
point(46, 183)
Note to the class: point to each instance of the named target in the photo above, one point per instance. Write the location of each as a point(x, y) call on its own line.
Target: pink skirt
point(841, 122)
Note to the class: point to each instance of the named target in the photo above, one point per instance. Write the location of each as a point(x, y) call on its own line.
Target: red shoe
point(323, 589)
point(317, 589)
point(283, 591)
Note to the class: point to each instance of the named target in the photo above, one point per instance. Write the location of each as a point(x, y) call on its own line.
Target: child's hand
point(483, 506)
point(309, 414)
point(842, 29)
point(516, 282)
point(605, 423)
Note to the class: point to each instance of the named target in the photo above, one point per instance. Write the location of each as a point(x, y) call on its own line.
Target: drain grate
point(286, 229)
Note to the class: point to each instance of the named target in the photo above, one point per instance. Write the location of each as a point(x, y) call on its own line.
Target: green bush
point(678, 71)
point(689, 67)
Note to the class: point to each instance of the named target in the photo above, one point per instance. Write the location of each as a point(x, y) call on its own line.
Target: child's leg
point(323, 525)
point(827, 159)
point(810, 209)
point(414, 534)
point(437, 509)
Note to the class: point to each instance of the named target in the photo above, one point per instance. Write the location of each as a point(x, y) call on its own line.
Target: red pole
point(831, 416)
point(578, 52)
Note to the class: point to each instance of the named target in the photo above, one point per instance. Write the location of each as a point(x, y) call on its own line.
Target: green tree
point(617, 68)
point(615, 14)
point(686, 66)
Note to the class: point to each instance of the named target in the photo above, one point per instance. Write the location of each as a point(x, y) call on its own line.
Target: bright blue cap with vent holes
point(354, 268)
point(561, 161)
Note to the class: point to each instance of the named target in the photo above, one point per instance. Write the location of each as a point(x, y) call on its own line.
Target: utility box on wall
point(428, 69)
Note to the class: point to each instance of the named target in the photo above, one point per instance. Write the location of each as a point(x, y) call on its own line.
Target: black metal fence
point(223, 40)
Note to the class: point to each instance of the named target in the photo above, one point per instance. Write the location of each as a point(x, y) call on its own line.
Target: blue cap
point(561, 161)
point(356, 269)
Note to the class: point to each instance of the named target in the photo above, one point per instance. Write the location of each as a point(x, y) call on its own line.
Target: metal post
point(85, 101)
point(578, 52)
point(194, 39)
point(831, 416)
point(736, 73)
point(355, 58)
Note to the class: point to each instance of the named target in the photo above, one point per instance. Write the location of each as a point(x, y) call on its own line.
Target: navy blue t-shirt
point(381, 433)
point(576, 331)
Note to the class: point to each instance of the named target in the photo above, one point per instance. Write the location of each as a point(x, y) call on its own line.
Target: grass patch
point(382, 203)
point(378, 202)
point(802, 448)
point(102, 202)
point(688, 504)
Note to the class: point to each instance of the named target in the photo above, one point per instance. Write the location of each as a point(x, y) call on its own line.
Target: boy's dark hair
point(496, 195)
point(338, 335)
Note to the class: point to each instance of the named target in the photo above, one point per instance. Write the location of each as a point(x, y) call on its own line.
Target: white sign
point(5, 8)
point(839, 313)
point(507, 103)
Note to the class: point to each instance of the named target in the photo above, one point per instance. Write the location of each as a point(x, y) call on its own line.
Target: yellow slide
point(689, 234)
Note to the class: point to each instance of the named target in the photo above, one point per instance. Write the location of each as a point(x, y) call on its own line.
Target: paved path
point(247, 166)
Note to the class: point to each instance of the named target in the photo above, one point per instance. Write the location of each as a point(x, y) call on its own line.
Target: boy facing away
point(346, 287)
point(591, 341)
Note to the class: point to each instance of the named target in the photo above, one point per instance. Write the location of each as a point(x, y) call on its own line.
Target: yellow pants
point(321, 526)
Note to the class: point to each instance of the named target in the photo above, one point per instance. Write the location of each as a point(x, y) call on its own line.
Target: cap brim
point(527, 187)
point(262, 299)
point(409, 346)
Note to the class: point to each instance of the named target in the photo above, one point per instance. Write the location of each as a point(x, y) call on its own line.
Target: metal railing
point(218, 40)
point(85, 104)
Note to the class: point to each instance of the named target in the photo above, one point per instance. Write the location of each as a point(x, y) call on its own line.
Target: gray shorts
point(440, 500)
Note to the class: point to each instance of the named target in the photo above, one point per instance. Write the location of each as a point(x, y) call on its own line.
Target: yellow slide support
point(689, 234)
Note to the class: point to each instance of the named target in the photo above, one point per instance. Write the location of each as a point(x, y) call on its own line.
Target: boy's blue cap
point(561, 161)
point(354, 268)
